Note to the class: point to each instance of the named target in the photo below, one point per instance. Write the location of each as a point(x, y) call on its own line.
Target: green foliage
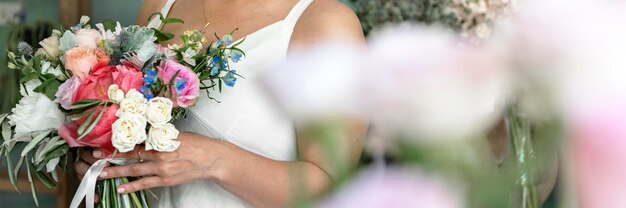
point(376, 13)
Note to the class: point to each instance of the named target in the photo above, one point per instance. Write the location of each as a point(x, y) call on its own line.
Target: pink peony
point(128, 77)
point(189, 93)
point(95, 86)
point(80, 60)
point(88, 38)
point(66, 92)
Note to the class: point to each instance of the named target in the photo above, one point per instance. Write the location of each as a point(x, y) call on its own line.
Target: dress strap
point(296, 12)
point(156, 21)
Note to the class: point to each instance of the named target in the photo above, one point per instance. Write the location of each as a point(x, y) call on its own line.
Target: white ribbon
point(87, 187)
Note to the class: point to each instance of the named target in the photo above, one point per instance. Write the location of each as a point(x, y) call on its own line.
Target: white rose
point(163, 139)
point(51, 46)
point(128, 131)
point(33, 113)
point(159, 111)
point(134, 104)
point(115, 93)
point(88, 38)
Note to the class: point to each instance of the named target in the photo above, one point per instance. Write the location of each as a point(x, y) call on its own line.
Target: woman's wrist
point(220, 161)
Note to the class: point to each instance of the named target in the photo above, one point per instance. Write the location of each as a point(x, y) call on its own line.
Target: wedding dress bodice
point(246, 116)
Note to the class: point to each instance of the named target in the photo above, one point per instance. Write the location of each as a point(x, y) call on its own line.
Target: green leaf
point(12, 177)
point(45, 179)
point(32, 184)
point(172, 20)
point(30, 76)
point(33, 143)
point(53, 143)
point(93, 124)
point(17, 168)
point(58, 152)
point(87, 121)
point(161, 36)
point(6, 131)
point(52, 88)
point(109, 24)
point(156, 13)
point(3, 116)
point(82, 104)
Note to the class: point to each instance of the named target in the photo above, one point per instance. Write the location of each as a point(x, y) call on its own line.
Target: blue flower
point(215, 60)
point(227, 40)
point(146, 92)
point(150, 77)
point(180, 84)
point(77, 27)
point(214, 71)
point(236, 56)
point(230, 78)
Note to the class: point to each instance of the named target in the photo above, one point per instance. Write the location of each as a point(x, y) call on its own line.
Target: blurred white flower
point(34, 113)
point(115, 93)
point(320, 82)
point(397, 187)
point(422, 81)
point(46, 68)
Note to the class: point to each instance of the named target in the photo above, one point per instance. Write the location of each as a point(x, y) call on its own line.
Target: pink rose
point(95, 86)
point(188, 93)
point(88, 38)
point(66, 92)
point(80, 60)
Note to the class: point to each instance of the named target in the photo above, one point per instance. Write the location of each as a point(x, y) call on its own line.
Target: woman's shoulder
point(327, 19)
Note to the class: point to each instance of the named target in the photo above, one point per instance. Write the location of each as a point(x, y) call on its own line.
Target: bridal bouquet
point(108, 87)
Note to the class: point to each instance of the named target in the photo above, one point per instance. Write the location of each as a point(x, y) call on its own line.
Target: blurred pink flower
point(396, 187)
point(66, 92)
point(599, 137)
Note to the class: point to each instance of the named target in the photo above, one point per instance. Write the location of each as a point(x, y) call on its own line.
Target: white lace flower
point(163, 139)
point(127, 132)
point(46, 68)
point(159, 111)
point(188, 56)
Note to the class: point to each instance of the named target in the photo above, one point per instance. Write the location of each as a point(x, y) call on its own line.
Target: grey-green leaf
point(93, 124)
point(33, 143)
point(12, 177)
point(67, 41)
point(33, 190)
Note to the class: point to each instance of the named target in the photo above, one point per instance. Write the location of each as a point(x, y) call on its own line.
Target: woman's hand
point(197, 157)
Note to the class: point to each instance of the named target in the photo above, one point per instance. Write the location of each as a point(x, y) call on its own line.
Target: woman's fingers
point(87, 155)
point(157, 181)
point(81, 168)
point(132, 170)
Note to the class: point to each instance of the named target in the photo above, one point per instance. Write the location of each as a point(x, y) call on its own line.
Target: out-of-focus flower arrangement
point(559, 86)
point(474, 19)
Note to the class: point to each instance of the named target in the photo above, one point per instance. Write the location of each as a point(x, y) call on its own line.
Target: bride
point(243, 151)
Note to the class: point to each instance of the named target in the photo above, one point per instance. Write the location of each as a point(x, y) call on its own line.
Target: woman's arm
point(258, 180)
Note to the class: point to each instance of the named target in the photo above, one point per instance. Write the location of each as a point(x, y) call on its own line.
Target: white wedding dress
point(246, 116)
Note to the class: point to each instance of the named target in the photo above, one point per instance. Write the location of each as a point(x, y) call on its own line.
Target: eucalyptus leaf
point(33, 190)
point(55, 176)
point(67, 41)
point(33, 143)
point(54, 142)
